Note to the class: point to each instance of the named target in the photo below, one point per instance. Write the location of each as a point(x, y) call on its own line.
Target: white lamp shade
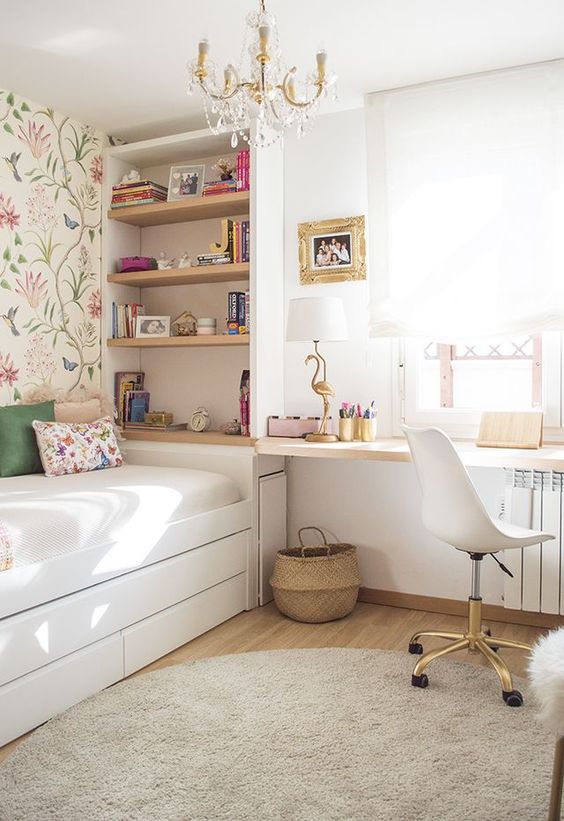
point(316, 318)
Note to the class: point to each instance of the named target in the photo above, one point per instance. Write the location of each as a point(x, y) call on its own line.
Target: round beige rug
point(299, 735)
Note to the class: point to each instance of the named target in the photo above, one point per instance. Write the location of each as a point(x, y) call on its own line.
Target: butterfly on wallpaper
point(12, 162)
point(9, 320)
point(72, 224)
point(69, 366)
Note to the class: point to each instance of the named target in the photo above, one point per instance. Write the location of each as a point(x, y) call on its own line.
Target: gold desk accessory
point(318, 319)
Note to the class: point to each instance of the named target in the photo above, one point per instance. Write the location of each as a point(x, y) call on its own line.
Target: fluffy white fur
point(45, 393)
point(546, 671)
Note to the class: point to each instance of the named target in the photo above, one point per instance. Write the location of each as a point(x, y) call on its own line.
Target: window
point(500, 375)
point(450, 385)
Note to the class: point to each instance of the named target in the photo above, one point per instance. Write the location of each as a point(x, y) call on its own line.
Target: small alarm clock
point(200, 420)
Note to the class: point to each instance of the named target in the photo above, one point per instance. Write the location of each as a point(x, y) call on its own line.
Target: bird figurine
point(9, 320)
point(12, 163)
point(325, 390)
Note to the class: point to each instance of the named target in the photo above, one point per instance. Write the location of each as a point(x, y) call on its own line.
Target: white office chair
point(453, 512)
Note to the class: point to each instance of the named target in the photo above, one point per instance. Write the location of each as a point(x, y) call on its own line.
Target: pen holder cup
point(346, 430)
point(357, 428)
point(368, 429)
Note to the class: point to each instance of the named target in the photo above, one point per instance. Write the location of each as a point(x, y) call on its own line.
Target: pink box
point(292, 426)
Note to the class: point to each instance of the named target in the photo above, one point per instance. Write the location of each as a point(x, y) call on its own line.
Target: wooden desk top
point(549, 457)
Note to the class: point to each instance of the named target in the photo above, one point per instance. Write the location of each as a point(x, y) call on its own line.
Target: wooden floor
point(370, 625)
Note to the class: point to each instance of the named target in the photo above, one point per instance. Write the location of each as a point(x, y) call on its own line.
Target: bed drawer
point(32, 699)
point(159, 634)
point(36, 637)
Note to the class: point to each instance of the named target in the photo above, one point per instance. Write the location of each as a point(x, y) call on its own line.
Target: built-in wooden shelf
point(234, 272)
point(181, 341)
point(210, 437)
point(198, 208)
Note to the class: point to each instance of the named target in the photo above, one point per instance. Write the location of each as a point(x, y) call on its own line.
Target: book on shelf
point(137, 192)
point(243, 170)
point(234, 244)
point(124, 382)
point(213, 259)
point(238, 304)
point(245, 402)
point(136, 405)
point(219, 187)
point(124, 318)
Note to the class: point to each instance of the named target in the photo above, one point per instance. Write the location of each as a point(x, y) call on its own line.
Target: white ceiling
point(120, 64)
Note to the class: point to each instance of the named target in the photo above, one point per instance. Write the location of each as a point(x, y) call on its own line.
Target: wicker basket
point(316, 583)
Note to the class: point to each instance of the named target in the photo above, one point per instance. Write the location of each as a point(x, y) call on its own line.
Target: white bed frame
point(60, 652)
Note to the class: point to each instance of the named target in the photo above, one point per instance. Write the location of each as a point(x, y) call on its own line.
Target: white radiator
point(534, 499)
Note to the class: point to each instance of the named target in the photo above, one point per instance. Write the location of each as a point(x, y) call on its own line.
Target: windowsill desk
point(548, 457)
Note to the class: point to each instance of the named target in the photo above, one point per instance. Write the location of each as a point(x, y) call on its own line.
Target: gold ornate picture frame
point(332, 250)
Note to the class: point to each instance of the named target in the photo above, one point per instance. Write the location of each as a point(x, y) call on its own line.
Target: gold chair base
point(474, 639)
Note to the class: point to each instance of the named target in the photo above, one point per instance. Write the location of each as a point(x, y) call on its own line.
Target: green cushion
point(18, 448)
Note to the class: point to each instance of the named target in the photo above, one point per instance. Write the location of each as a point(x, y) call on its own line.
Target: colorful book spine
point(248, 311)
point(232, 313)
point(243, 180)
point(242, 328)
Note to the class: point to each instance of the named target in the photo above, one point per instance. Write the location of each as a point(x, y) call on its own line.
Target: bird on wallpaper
point(70, 223)
point(12, 163)
point(9, 320)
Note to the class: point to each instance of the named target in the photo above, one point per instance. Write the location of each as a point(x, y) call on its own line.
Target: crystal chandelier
point(269, 95)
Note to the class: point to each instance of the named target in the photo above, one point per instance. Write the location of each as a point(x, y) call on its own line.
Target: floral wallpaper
point(50, 216)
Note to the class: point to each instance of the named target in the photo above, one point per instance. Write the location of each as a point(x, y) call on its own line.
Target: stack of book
point(139, 192)
point(243, 175)
point(214, 259)
point(124, 318)
point(219, 187)
point(238, 312)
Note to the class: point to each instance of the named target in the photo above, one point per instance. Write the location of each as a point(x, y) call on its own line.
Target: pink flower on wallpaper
point(8, 373)
point(40, 208)
point(8, 214)
point(95, 304)
point(34, 137)
point(34, 290)
point(39, 360)
point(96, 169)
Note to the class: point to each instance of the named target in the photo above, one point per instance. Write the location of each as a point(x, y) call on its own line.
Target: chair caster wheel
point(420, 681)
point(415, 648)
point(512, 698)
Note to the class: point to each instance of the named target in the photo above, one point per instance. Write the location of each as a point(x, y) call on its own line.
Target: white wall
point(374, 505)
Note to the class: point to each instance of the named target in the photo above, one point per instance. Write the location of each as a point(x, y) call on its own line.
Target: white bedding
point(70, 532)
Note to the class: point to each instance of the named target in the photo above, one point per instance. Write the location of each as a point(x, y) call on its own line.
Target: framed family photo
point(149, 327)
point(332, 250)
point(185, 181)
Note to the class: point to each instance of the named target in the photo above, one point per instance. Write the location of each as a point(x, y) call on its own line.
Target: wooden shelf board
point(198, 208)
point(210, 437)
point(181, 342)
point(235, 272)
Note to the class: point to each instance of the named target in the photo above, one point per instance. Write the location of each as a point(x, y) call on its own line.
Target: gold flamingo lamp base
point(325, 390)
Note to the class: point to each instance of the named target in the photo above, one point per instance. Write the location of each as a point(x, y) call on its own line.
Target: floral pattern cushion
point(77, 447)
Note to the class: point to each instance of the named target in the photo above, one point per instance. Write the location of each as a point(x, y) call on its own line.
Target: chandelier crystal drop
point(270, 95)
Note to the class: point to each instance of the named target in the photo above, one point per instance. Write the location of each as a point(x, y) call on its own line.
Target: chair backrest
point(451, 510)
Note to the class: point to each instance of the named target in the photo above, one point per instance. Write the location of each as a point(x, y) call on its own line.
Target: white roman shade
point(466, 199)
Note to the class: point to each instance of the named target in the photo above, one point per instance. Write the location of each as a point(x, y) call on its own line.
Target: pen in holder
point(357, 429)
point(346, 429)
point(368, 429)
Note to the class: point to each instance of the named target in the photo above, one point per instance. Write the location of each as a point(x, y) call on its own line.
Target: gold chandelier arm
point(231, 87)
point(287, 88)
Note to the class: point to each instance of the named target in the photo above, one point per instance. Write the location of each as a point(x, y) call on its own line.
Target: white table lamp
point(318, 319)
